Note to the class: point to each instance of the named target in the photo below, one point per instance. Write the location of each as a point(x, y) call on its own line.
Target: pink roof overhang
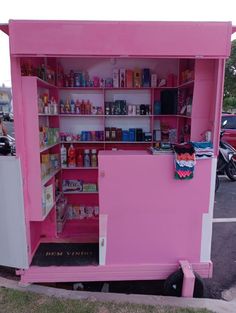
point(106, 38)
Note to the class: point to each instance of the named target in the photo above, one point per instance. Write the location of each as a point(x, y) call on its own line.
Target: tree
point(230, 80)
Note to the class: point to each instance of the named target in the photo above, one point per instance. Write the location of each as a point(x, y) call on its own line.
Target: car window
point(231, 122)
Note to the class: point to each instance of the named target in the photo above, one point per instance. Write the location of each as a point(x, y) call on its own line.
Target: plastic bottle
point(79, 160)
point(71, 156)
point(94, 162)
point(86, 158)
point(72, 106)
point(63, 156)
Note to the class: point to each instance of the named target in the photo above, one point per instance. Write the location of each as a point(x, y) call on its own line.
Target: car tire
point(230, 170)
point(174, 283)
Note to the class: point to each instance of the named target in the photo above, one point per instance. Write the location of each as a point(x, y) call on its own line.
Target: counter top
point(131, 153)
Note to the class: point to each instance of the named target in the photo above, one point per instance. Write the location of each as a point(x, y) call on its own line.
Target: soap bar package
point(72, 185)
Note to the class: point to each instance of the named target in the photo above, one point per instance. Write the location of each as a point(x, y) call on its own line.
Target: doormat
point(66, 254)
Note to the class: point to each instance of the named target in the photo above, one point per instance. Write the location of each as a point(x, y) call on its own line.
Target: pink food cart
point(90, 100)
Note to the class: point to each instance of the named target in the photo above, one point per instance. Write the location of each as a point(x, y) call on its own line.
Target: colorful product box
point(154, 80)
point(116, 78)
point(137, 78)
point(129, 79)
point(122, 77)
point(72, 185)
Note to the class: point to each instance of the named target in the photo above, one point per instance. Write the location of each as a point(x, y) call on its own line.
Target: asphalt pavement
point(223, 250)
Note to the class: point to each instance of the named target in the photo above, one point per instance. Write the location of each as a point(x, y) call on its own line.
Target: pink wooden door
point(151, 217)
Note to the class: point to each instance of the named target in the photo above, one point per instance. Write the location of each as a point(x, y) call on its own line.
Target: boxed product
point(89, 187)
point(72, 185)
point(122, 77)
point(153, 80)
point(129, 79)
point(146, 77)
point(116, 78)
point(47, 198)
point(137, 78)
point(45, 164)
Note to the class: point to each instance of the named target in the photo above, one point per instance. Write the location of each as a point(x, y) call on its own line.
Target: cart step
point(66, 254)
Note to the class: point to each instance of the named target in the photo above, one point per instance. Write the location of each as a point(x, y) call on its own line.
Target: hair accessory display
point(204, 149)
point(184, 161)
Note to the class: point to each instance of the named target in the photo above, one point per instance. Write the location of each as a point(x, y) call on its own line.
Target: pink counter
point(151, 217)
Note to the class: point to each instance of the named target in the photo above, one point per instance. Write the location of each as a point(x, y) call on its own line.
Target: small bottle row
point(84, 135)
point(120, 78)
point(49, 163)
point(73, 157)
point(83, 107)
point(133, 134)
point(48, 136)
point(120, 107)
point(47, 105)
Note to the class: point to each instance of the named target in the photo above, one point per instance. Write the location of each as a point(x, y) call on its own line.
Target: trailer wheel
point(173, 285)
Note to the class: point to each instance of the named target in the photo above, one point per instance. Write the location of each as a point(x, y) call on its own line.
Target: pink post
point(189, 279)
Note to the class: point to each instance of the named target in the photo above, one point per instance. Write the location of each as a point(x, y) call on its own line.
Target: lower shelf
point(66, 254)
point(86, 228)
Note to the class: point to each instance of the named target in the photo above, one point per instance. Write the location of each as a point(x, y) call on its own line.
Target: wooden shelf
point(43, 114)
point(48, 147)
point(80, 193)
point(50, 176)
point(105, 142)
point(80, 115)
point(172, 115)
point(186, 84)
point(127, 116)
point(79, 168)
point(82, 88)
point(43, 84)
point(81, 142)
point(130, 142)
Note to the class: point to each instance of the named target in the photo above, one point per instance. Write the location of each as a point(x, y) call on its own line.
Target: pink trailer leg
point(189, 279)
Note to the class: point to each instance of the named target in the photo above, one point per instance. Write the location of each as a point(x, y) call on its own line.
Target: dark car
point(8, 116)
point(228, 124)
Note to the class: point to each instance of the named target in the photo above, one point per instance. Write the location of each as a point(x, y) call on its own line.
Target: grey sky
point(156, 10)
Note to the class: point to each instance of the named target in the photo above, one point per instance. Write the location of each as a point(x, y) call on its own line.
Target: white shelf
point(186, 84)
point(130, 142)
point(48, 147)
point(84, 142)
point(80, 115)
point(79, 168)
point(127, 116)
point(50, 176)
point(43, 84)
point(79, 193)
point(43, 114)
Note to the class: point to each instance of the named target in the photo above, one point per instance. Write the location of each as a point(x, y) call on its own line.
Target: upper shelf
point(43, 84)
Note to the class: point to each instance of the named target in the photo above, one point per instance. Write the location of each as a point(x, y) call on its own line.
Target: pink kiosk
point(90, 100)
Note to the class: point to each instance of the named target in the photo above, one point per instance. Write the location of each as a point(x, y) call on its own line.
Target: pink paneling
point(31, 133)
point(166, 214)
point(35, 234)
point(204, 98)
point(81, 228)
point(120, 38)
point(108, 273)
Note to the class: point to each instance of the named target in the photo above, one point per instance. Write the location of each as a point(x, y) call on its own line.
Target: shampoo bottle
point(63, 156)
